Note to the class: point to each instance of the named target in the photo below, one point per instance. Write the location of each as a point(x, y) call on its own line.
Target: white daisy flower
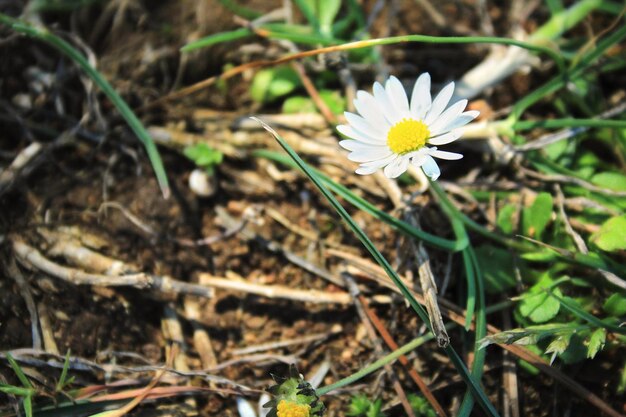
point(392, 134)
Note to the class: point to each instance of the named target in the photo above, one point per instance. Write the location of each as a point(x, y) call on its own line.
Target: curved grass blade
point(216, 38)
point(472, 384)
point(366, 206)
point(45, 35)
point(239, 10)
point(583, 315)
point(279, 31)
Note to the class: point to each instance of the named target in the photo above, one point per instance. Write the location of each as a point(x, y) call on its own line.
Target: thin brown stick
point(315, 95)
point(276, 291)
point(378, 346)
point(380, 327)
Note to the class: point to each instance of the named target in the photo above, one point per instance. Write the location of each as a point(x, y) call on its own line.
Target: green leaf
point(612, 235)
point(203, 155)
point(556, 149)
point(358, 405)
point(421, 407)
point(335, 101)
point(374, 409)
point(497, 267)
point(537, 304)
point(270, 84)
point(299, 104)
point(536, 217)
point(615, 305)
point(327, 12)
point(505, 219)
point(611, 180)
point(596, 342)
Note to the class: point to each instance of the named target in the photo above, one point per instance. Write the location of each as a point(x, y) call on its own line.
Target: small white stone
point(201, 183)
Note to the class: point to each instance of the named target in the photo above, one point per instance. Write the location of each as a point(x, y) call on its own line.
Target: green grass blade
point(590, 318)
point(28, 406)
point(385, 360)
point(366, 206)
point(242, 11)
point(565, 19)
point(18, 371)
point(45, 35)
point(472, 384)
point(216, 38)
point(308, 13)
point(63, 377)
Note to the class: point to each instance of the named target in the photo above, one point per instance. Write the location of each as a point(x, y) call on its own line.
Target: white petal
point(380, 162)
point(447, 117)
point(419, 160)
point(430, 167)
point(445, 138)
point(355, 145)
point(439, 103)
point(462, 120)
point(351, 132)
point(397, 167)
point(385, 104)
point(368, 107)
point(368, 155)
point(397, 95)
point(362, 125)
point(366, 170)
point(420, 99)
point(451, 156)
point(244, 408)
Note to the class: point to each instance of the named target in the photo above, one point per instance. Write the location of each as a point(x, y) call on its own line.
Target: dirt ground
point(92, 186)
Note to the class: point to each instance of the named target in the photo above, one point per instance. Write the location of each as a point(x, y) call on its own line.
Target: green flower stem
point(385, 360)
point(45, 35)
point(569, 122)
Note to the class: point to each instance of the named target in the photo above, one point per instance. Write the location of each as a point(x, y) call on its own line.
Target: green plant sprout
point(204, 156)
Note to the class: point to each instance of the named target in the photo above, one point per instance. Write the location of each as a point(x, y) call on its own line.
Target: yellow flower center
point(290, 409)
point(407, 135)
